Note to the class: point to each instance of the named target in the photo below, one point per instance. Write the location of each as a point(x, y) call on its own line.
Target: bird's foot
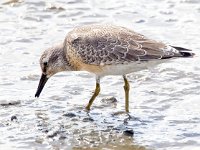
point(87, 109)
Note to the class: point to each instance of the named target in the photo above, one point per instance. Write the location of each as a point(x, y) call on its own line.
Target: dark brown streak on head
point(45, 67)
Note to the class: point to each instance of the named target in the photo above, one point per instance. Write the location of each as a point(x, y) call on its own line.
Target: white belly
point(122, 69)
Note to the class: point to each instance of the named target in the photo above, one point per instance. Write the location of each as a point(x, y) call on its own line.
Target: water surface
point(164, 100)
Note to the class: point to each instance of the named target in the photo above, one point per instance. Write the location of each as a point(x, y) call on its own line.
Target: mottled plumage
point(108, 44)
point(105, 50)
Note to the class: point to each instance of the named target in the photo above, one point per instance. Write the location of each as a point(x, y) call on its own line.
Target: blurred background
point(164, 101)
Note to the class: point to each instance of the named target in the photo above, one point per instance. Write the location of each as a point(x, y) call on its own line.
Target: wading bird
point(105, 50)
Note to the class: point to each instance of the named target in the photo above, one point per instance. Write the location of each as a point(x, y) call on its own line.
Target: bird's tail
point(184, 52)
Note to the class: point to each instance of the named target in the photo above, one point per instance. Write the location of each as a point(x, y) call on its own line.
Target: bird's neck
point(64, 60)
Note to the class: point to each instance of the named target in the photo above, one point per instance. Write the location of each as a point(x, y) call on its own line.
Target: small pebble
point(13, 118)
point(109, 100)
point(52, 134)
point(62, 137)
point(70, 115)
point(128, 132)
point(88, 119)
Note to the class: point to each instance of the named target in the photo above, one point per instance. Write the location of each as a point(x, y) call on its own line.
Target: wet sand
point(164, 100)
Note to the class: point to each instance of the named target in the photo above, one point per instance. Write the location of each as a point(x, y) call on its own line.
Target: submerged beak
point(42, 82)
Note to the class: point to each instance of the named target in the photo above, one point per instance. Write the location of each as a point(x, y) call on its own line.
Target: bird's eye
point(45, 67)
point(45, 64)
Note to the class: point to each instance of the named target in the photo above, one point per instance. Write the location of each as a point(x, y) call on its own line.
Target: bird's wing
point(118, 47)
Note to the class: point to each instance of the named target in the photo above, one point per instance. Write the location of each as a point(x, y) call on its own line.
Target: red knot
point(105, 50)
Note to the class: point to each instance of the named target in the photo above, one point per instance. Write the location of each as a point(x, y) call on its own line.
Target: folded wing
point(118, 45)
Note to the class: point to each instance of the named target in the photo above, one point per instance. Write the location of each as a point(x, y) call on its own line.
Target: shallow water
point(164, 100)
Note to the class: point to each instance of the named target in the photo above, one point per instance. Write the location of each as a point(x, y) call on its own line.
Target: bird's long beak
point(42, 82)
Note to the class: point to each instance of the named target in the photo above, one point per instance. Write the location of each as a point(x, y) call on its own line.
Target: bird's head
point(52, 61)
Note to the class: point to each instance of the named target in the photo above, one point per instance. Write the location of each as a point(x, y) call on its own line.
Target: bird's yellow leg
point(126, 89)
point(96, 92)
